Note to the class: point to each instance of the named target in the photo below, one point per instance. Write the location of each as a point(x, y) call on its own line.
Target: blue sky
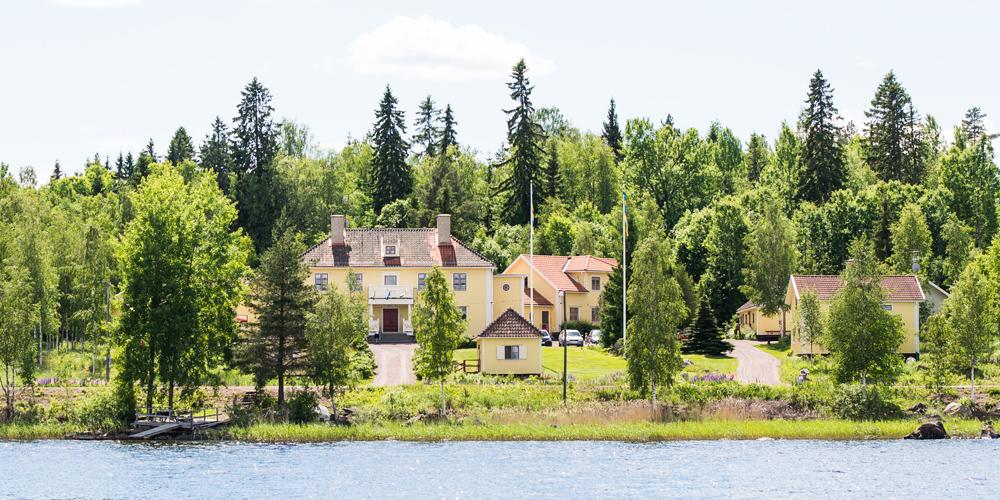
point(86, 76)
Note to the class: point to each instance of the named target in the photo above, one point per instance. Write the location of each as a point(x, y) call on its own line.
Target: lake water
point(706, 469)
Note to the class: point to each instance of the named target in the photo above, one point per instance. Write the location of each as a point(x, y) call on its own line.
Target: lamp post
point(565, 341)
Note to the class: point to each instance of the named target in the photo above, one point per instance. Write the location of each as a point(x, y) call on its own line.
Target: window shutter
point(522, 352)
point(500, 352)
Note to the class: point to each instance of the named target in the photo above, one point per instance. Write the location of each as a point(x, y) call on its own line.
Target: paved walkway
point(755, 365)
point(394, 364)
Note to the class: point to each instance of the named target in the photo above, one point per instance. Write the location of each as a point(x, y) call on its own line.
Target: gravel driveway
point(394, 364)
point(755, 365)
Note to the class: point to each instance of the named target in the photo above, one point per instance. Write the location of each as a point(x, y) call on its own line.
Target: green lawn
point(591, 363)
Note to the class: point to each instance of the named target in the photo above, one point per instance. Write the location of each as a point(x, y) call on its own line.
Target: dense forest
point(732, 210)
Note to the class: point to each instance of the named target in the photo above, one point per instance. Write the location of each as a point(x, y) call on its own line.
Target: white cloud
point(432, 49)
point(95, 4)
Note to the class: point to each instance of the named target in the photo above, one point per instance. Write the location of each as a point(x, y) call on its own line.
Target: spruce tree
point(612, 133)
point(893, 145)
point(180, 148)
point(57, 171)
point(427, 132)
point(121, 174)
point(757, 156)
point(449, 136)
point(524, 137)
point(391, 176)
point(552, 178)
point(146, 158)
point(704, 336)
point(972, 124)
point(254, 147)
point(216, 155)
point(822, 170)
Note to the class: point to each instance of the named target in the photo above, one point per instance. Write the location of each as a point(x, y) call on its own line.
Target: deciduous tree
point(438, 326)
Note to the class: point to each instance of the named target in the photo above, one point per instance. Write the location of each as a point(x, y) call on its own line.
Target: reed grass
point(27, 432)
point(629, 432)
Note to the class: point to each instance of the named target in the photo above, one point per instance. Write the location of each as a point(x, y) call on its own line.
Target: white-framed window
point(357, 282)
point(511, 352)
point(595, 283)
point(574, 314)
point(390, 251)
point(887, 307)
point(459, 281)
point(421, 281)
point(464, 311)
point(595, 314)
point(390, 279)
point(321, 281)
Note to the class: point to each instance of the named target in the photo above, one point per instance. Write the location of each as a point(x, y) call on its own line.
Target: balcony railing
point(390, 294)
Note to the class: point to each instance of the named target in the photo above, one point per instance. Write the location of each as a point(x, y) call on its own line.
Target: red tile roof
point(555, 267)
point(417, 248)
point(589, 263)
point(900, 288)
point(540, 299)
point(510, 325)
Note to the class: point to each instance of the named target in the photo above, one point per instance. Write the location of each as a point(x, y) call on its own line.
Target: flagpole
point(531, 254)
point(624, 268)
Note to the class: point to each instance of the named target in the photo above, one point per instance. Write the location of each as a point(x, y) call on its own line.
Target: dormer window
point(390, 251)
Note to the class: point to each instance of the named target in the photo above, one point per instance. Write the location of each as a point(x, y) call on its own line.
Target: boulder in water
point(929, 430)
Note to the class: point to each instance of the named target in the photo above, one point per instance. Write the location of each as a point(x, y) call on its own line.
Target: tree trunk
point(783, 319)
point(972, 374)
point(652, 383)
point(333, 404)
point(443, 404)
point(170, 396)
point(281, 372)
point(150, 377)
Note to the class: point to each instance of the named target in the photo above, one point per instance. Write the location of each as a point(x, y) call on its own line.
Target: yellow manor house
point(390, 265)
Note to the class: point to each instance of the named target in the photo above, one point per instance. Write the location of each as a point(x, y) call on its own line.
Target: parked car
point(571, 337)
point(595, 336)
point(546, 338)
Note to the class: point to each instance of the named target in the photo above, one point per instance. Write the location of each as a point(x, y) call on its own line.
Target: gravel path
point(755, 365)
point(394, 364)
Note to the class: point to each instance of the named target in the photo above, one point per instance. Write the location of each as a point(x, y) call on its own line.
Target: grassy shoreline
point(626, 432)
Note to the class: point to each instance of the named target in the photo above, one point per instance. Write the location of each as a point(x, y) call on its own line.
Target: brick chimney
point(338, 226)
point(444, 229)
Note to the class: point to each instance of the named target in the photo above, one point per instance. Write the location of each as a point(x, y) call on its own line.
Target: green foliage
point(863, 336)
point(894, 147)
point(770, 259)
point(974, 317)
point(438, 326)
point(657, 309)
point(336, 339)
point(911, 239)
point(180, 148)
point(725, 251)
point(859, 402)
point(275, 344)
point(524, 137)
point(704, 335)
point(391, 178)
point(936, 339)
point(302, 407)
point(254, 147)
point(822, 160)
point(427, 132)
point(810, 322)
point(612, 132)
point(180, 262)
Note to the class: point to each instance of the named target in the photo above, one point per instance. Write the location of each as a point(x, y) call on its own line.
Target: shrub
point(584, 327)
point(107, 411)
point(302, 407)
point(855, 402)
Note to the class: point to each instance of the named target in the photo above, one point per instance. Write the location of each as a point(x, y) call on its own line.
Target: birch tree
point(438, 325)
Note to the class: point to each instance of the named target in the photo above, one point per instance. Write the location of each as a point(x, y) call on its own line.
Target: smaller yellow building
point(763, 326)
point(903, 296)
point(510, 345)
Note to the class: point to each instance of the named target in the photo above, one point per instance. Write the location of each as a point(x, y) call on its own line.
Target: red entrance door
point(390, 320)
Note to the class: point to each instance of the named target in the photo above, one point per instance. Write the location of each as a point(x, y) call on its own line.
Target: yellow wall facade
point(587, 303)
point(476, 298)
point(531, 364)
point(508, 293)
point(908, 312)
point(760, 323)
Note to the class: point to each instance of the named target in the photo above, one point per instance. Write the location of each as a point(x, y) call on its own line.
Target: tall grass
point(25, 432)
point(632, 432)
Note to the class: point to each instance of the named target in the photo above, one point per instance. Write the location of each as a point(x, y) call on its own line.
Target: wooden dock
point(179, 424)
